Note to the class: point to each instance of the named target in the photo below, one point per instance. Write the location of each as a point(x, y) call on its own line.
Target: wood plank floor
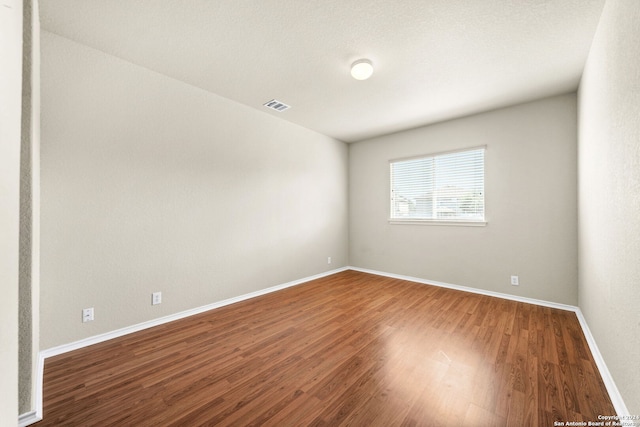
point(348, 349)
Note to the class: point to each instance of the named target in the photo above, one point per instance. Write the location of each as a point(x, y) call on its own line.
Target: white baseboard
point(612, 389)
point(468, 289)
point(36, 415)
point(28, 418)
point(54, 351)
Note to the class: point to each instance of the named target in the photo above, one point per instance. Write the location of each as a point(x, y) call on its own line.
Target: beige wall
point(10, 113)
point(609, 194)
point(531, 206)
point(149, 184)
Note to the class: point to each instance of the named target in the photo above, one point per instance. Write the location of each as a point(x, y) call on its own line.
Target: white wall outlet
point(87, 314)
point(328, 260)
point(515, 281)
point(156, 298)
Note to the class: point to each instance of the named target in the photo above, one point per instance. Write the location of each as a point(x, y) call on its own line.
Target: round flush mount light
point(361, 69)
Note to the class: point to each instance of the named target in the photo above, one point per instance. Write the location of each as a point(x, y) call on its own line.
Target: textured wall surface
point(10, 111)
point(531, 207)
point(29, 289)
point(609, 194)
point(149, 184)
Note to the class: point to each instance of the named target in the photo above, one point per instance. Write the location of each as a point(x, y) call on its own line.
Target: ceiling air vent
point(274, 104)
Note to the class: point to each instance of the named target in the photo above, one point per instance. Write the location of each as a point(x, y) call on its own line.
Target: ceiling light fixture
point(361, 69)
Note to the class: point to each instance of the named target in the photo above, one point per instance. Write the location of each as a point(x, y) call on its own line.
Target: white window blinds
point(441, 187)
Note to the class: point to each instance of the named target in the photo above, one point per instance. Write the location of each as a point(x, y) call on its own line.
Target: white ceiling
point(434, 59)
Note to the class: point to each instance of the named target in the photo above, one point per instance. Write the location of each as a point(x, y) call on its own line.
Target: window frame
point(439, 221)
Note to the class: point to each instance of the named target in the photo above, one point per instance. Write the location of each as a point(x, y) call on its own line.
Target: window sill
point(459, 223)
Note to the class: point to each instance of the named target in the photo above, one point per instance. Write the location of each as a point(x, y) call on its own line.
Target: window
point(447, 187)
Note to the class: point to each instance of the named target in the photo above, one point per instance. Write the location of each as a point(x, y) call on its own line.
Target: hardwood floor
point(348, 349)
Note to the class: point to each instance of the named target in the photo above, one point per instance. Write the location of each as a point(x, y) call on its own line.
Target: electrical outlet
point(515, 281)
point(87, 314)
point(328, 260)
point(156, 298)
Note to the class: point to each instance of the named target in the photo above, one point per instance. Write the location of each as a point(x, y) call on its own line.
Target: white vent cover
point(274, 104)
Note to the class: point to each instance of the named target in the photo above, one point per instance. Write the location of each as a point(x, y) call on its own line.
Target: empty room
point(320, 213)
